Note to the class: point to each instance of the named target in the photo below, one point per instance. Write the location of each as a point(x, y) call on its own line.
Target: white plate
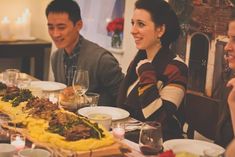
point(192, 146)
point(47, 85)
point(116, 113)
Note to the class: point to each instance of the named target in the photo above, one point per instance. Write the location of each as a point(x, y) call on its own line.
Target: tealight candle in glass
point(118, 130)
point(18, 141)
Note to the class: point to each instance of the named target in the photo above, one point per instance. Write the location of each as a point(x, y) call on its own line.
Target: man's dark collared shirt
point(70, 62)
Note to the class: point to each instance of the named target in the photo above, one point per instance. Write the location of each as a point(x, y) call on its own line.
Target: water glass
point(150, 140)
point(12, 76)
point(23, 81)
point(68, 100)
point(91, 99)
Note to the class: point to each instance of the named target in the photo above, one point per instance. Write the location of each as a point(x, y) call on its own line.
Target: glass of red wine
point(150, 140)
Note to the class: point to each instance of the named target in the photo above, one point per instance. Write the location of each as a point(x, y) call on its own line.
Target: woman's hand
point(141, 63)
point(231, 97)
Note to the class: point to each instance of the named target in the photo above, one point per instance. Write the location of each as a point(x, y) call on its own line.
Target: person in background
point(156, 80)
point(224, 130)
point(230, 57)
point(75, 52)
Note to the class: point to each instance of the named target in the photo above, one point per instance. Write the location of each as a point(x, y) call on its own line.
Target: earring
point(158, 41)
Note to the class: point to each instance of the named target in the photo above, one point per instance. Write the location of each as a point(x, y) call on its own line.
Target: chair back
point(201, 115)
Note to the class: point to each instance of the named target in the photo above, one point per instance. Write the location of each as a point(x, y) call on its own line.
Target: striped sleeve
point(167, 93)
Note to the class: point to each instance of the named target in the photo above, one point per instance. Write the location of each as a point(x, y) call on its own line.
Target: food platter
point(48, 126)
point(116, 113)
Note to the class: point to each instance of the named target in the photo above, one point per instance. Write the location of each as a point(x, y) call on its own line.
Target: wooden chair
point(201, 115)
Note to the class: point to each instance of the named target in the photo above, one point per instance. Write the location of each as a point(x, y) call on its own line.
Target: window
point(96, 14)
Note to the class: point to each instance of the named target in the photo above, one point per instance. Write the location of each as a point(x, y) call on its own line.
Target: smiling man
point(75, 52)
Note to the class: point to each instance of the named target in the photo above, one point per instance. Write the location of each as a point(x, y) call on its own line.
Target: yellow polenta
point(37, 131)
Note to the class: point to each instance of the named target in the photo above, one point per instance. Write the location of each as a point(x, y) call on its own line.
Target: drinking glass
point(12, 76)
point(80, 82)
point(150, 140)
point(23, 81)
point(91, 99)
point(67, 99)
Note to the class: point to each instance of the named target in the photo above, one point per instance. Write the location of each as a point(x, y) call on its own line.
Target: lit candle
point(53, 98)
point(18, 141)
point(119, 133)
point(21, 27)
point(18, 28)
point(5, 28)
point(27, 21)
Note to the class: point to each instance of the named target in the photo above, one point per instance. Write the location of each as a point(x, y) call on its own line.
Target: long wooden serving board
point(60, 147)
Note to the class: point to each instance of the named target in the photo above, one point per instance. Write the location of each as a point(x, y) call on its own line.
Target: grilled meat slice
point(77, 132)
point(73, 127)
point(41, 108)
point(11, 93)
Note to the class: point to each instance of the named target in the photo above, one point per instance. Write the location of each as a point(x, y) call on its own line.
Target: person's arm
point(231, 101)
point(154, 94)
point(110, 74)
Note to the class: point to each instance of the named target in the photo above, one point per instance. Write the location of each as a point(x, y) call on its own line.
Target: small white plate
point(116, 113)
point(47, 85)
point(191, 146)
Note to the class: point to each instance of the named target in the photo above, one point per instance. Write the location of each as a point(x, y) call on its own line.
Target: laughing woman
point(155, 84)
point(230, 57)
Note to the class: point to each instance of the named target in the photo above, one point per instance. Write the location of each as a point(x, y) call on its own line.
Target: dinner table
point(130, 140)
point(128, 146)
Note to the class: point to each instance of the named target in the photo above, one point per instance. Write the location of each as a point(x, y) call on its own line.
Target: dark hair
point(65, 6)
point(162, 14)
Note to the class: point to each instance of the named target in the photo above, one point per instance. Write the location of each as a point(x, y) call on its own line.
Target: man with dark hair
point(75, 52)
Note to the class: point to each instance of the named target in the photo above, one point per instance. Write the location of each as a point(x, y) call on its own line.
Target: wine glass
point(80, 82)
point(150, 140)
